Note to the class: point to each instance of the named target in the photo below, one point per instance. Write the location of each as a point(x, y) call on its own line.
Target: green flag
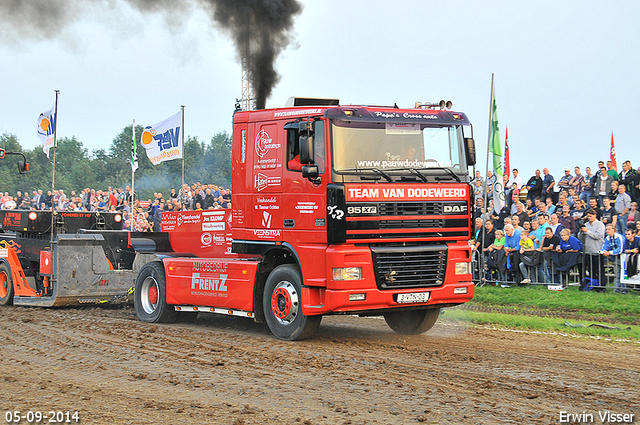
point(134, 144)
point(495, 148)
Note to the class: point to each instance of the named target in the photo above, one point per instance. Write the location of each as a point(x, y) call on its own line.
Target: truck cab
point(366, 208)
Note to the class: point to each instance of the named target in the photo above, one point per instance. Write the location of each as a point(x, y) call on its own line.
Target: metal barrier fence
point(558, 270)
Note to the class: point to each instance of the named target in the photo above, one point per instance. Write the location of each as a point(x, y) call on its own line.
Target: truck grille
point(410, 267)
point(410, 208)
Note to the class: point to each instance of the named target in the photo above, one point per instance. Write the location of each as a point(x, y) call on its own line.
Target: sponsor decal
point(264, 143)
point(392, 128)
point(297, 112)
point(306, 207)
point(266, 200)
point(334, 212)
point(238, 216)
point(266, 219)
point(208, 216)
point(213, 227)
point(266, 233)
point(394, 115)
point(209, 266)
point(11, 219)
point(394, 161)
point(209, 283)
point(267, 164)
point(4, 253)
point(206, 239)
point(213, 221)
point(263, 181)
point(415, 193)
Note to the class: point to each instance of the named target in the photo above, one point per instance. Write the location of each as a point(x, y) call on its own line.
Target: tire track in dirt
point(231, 370)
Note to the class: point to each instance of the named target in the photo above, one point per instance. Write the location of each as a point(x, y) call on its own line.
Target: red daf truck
point(335, 210)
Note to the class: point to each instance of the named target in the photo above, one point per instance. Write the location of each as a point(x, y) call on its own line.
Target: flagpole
point(183, 150)
point(486, 172)
point(53, 174)
point(133, 181)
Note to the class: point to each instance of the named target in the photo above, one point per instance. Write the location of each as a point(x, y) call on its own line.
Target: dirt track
point(113, 369)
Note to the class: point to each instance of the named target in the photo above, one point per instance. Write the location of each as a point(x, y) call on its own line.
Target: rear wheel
point(150, 299)
point(412, 322)
point(6, 285)
point(282, 304)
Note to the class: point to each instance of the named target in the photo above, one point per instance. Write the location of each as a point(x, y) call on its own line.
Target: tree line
point(78, 168)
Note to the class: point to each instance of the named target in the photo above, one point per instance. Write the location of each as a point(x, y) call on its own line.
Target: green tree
point(218, 159)
point(76, 168)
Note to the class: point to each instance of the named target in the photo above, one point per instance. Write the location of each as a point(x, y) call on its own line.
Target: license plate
point(418, 297)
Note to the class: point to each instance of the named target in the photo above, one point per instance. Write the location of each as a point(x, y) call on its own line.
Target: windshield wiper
point(447, 169)
point(375, 170)
point(418, 173)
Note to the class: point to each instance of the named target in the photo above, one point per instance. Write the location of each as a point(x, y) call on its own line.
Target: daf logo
point(455, 208)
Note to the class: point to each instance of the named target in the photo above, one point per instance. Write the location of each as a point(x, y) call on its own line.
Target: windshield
point(388, 146)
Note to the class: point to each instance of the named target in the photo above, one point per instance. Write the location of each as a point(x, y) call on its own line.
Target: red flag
point(612, 154)
point(507, 166)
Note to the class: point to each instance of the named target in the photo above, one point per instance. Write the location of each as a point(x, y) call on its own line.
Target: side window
point(293, 147)
point(318, 145)
point(293, 158)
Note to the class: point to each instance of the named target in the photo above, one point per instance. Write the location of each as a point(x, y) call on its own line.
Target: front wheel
point(150, 299)
point(282, 304)
point(6, 285)
point(412, 322)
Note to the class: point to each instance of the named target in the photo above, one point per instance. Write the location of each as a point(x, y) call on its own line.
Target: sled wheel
point(150, 295)
point(282, 303)
point(412, 322)
point(6, 285)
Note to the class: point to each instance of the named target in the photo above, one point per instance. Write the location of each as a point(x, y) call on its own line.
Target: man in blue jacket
point(612, 248)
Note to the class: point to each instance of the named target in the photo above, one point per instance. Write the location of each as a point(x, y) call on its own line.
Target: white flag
point(46, 129)
point(162, 141)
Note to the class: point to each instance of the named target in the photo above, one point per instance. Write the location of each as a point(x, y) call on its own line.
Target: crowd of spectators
point(140, 215)
point(548, 228)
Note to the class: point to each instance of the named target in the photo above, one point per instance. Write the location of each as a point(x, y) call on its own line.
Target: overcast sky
point(566, 72)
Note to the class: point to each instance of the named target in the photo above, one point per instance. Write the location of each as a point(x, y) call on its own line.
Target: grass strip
point(615, 307)
point(542, 324)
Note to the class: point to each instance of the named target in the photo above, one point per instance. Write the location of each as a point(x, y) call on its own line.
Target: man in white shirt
point(515, 179)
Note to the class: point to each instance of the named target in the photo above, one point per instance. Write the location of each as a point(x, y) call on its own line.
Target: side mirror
point(310, 171)
point(23, 167)
point(306, 143)
point(470, 148)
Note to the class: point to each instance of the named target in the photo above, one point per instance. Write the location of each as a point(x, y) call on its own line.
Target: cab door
point(268, 164)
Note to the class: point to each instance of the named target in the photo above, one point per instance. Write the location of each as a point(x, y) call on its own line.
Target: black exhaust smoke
point(260, 29)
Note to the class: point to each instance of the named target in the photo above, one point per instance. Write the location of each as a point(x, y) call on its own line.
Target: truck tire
point(412, 322)
point(150, 295)
point(6, 285)
point(282, 304)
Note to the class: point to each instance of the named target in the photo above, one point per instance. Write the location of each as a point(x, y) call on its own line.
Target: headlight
point(347, 273)
point(463, 268)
